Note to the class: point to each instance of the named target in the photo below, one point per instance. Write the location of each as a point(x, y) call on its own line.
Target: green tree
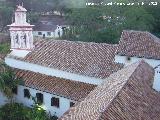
point(4, 48)
point(154, 11)
point(5, 16)
point(16, 111)
point(105, 24)
point(13, 111)
point(8, 80)
point(137, 18)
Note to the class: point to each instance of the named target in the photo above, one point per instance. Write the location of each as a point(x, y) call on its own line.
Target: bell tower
point(21, 31)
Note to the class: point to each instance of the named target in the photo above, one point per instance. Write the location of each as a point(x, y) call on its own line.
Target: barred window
point(39, 97)
point(55, 102)
point(39, 33)
point(26, 93)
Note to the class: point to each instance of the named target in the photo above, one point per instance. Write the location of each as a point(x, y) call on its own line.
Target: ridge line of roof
point(93, 95)
point(82, 42)
point(146, 32)
point(138, 64)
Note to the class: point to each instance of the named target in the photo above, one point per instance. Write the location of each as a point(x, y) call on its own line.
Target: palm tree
point(8, 80)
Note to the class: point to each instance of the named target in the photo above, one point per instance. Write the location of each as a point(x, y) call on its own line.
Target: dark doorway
point(44, 36)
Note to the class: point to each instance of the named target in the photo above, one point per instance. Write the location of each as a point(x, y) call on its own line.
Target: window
point(128, 58)
point(55, 102)
point(71, 104)
point(48, 33)
point(26, 93)
point(14, 90)
point(39, 97)
point(39, 33)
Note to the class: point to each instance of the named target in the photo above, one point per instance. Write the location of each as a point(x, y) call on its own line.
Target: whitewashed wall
point(50, 71)
point(64, 102)
point(156, 84)
point(59, 28)
point(35, 33)
point(152, 62)
point(54, 34)
point(123, 59)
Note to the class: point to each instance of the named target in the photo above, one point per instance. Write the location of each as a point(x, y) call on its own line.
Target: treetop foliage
point(15, 111)
point(96, 23)
point(105, 24)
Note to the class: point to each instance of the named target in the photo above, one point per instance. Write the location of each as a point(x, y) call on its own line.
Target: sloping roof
point(90, 59)
point(139, 44)
point(62, 87)
point(125, 95)
point(49, 23)
point(44, 27)
point(54, 19)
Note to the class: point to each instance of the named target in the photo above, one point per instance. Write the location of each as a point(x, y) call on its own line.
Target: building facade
point(137, 45)
point(21, 45)
point(58, 74)
point(57, 33)
point(50, 26)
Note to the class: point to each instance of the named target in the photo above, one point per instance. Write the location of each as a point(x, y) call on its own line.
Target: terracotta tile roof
point(49, 23)
point(139, 44)
point(62, 87)
point(90, 59)
point(125, 95)
point(44, 27)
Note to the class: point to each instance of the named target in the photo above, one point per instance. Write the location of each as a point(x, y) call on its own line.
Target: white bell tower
point(21, 31)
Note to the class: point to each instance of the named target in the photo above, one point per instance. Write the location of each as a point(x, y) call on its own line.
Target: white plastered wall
point(156, 84)
point(35, 33)
point(63, 102)
point(151, 62)
point(51, 72)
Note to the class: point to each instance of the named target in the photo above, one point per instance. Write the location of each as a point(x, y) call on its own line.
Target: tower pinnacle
point(21, 31)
